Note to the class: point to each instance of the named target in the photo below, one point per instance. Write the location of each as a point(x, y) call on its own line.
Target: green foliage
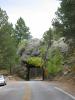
point(7, 42)
point(7, 49)
point(42, 49)
point(57, 29)
point(36, 61)
point(54, 63)
point(65, 25)
point(66, 18)
point(22, 46)
point(3, 18)
point(48, 36)
point(21, 30)
point(48, 41)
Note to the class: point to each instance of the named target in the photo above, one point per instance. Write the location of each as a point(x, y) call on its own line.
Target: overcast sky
point(36, 13)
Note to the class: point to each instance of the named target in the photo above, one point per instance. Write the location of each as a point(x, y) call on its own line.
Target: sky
point(37, 14)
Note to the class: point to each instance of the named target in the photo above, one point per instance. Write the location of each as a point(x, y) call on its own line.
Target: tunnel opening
point(34, 72)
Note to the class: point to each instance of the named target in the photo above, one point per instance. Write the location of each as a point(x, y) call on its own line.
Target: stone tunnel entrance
point(34, 73)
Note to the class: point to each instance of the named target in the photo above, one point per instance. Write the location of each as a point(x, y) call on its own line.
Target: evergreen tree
point(7, 42)
point(66, 18)
point(21, 30)
point(3, 18)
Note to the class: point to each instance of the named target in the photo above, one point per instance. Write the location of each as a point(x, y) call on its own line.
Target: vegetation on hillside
point(9, 41)
point(55, 52)
point(36, 61)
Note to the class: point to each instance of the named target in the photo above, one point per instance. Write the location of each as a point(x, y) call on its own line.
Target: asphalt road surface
point(33, 90)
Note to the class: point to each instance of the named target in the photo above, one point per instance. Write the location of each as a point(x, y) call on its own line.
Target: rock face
point(61, 44)
point(33, 43)
point(31, 49)
point(29, 56)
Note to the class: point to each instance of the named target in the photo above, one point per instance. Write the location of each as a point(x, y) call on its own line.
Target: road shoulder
point(66, 86)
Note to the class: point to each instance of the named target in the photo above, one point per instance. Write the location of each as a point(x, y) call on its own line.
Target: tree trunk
point(10, 70)
point(28, 72)
point(43, 76)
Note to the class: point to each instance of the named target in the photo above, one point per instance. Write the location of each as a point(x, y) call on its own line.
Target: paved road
point(33, 90)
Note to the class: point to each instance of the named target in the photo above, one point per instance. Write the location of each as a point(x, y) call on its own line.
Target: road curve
point(32, 90)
